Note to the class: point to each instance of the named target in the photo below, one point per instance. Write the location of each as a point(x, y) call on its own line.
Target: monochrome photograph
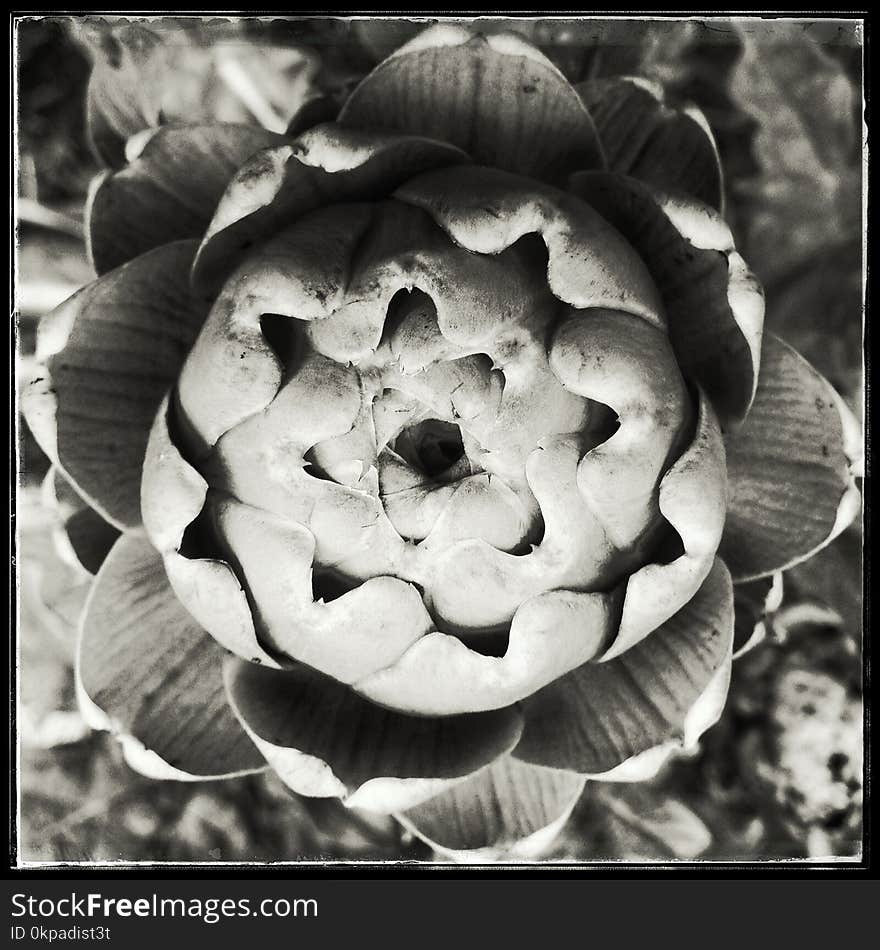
point(439, 440)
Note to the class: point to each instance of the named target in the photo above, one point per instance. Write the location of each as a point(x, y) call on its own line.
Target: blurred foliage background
point(780, 777)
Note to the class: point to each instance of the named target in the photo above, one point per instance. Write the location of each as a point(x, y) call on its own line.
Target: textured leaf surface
point(496, 97)
point(603, 714)
point(149, 673)
point(642, 136)
point(324, 740)
point(107, 357)
point(789, 468)
point(509, 810)
point(170, 190)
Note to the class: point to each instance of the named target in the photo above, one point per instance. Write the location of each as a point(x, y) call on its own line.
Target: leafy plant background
point(781, 775)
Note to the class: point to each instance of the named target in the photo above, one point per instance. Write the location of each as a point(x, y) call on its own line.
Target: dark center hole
point(431, 446)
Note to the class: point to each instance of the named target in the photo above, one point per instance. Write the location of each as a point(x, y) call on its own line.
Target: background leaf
point(162, 70)
point(644, 824)
point(806, 144)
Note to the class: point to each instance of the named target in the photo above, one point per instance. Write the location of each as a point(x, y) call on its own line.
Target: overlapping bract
point(423, 454)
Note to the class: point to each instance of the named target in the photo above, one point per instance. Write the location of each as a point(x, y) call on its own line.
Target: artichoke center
point(431, 446)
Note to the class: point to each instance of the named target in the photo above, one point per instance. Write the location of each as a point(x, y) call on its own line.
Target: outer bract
point(436, 436)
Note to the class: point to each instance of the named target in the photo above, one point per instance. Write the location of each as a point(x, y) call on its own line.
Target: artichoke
point(437, 435)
